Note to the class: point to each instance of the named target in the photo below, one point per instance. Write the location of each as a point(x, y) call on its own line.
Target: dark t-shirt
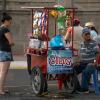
point(4, 43)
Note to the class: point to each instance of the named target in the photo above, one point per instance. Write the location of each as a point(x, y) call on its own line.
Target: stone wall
point(88, 10)
point(22, 20)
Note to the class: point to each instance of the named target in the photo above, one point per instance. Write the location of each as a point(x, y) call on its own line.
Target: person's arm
point(9, 38)
point(67, 37)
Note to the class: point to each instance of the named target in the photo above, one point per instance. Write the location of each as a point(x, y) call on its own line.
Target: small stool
point(95, 82)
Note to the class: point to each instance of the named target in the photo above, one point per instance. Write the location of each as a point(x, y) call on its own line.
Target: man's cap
point(85, 30)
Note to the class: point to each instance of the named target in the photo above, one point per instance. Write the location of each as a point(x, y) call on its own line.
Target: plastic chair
point(95, 82)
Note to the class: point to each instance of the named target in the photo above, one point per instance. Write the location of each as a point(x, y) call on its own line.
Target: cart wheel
point(38, 82)
point(71, 83)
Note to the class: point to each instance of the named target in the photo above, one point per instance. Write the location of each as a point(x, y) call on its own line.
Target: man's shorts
point(5, 56)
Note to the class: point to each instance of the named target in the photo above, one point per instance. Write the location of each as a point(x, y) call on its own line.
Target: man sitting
point(89, 52)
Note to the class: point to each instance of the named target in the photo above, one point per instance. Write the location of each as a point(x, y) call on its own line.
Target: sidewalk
point(18, 74)
point(19, 57)
point(20, 62)
point(18, 82)
point(18, 65)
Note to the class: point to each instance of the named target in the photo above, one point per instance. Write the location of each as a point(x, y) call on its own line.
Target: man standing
point(74, 35)
point(76, 32)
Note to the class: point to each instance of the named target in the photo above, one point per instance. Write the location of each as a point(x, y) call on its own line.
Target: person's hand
point(95, 63)
point(65, 40)
point(12, 44)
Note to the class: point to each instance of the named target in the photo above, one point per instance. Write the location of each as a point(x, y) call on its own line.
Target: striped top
point(88, 51)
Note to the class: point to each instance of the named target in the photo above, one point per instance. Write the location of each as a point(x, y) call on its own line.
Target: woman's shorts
point(5, 56)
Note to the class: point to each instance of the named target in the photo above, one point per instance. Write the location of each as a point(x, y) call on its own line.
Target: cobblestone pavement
point(26, 93)
point(18, 84)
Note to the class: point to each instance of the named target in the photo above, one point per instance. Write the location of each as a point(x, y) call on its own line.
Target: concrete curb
point(18, 65)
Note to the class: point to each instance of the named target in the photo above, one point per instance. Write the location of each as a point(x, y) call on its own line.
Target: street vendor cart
point(48, 57)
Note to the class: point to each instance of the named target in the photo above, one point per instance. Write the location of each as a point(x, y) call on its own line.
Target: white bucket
point(34, 43)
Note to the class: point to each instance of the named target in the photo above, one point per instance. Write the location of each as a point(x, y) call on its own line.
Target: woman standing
point(6, 42)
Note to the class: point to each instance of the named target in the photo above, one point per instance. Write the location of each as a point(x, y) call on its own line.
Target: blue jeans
point(86, 70)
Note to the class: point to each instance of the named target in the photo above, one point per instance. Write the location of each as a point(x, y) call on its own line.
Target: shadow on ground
point(26, 93)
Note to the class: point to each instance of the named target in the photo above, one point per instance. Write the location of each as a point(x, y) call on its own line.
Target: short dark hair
point(76, 22)
point(5, 16)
